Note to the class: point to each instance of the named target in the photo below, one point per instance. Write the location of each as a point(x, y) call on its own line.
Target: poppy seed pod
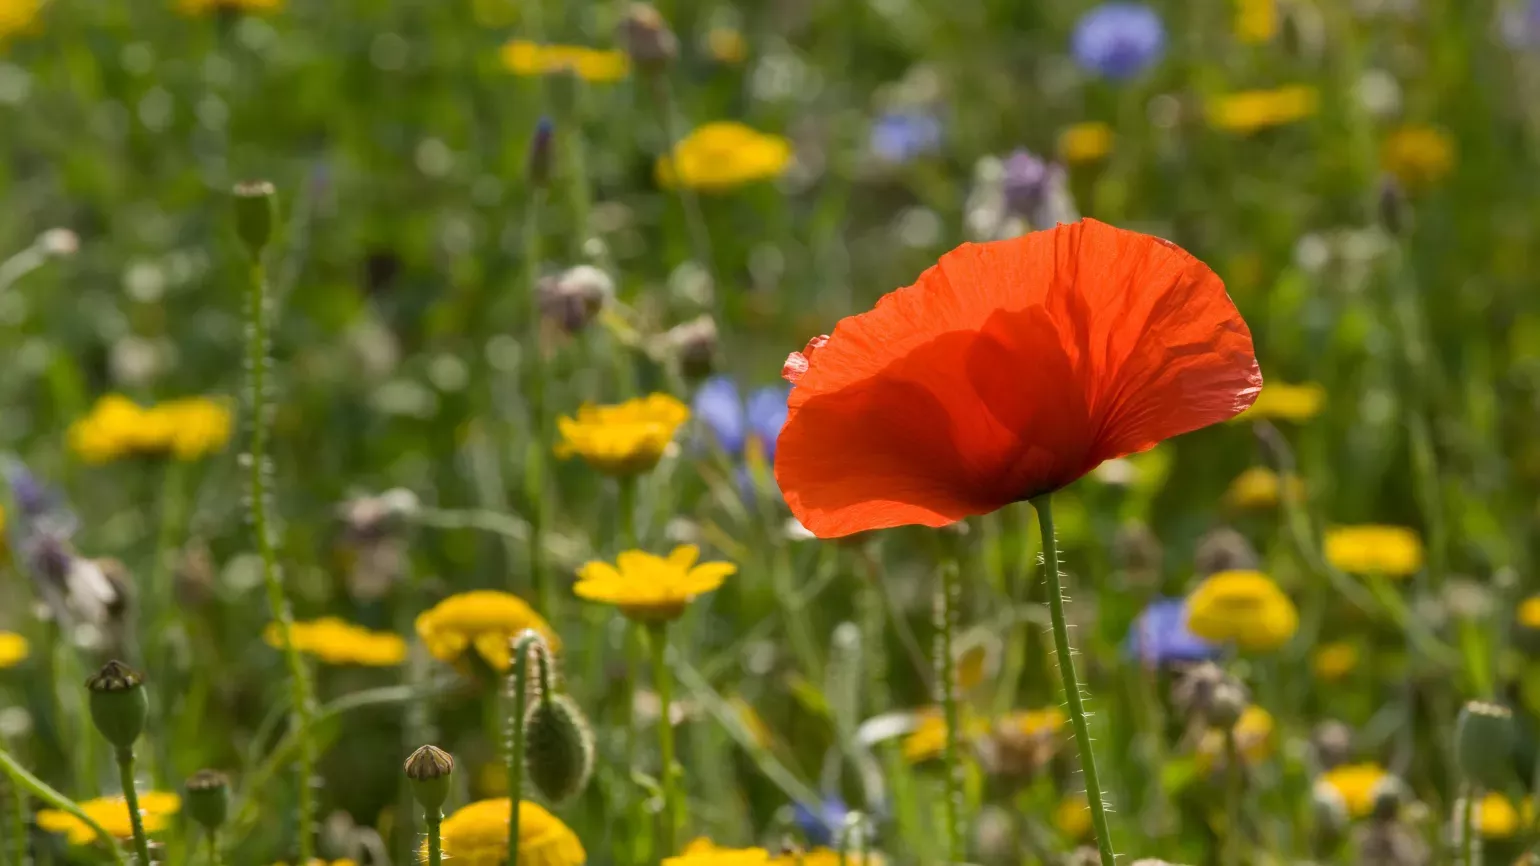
point(1483, 744)
point(1228, 702)
point(429, 769)
point(647, 38)
point(208, 798)
point(256, 212)
point(558, 748)
point(118, 703)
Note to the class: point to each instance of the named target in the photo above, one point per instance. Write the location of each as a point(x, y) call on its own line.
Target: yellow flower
point(485, 620)
point(726, 45)
point(477, 835)
point(1072, 817)
point(1085, 142)
point(1391, 551)
point(590, 64)
point(341, 643)
point(1356, 784)
point(826, 857)
point(624, 439)
point(723, 155)
point(650, 588)
point(13, 649)
point(1496, 817)
point(1047, 721)
point(704, 852)
point(1418, 156)
point(1252, 110)
point(208, 7)
point(112, 814)
point(1253, 738)
point(1529, 612)
point(196, 426)
point(317, 861)
point(1287, 402)
point(1259, 487)
point(18, 17)
point(1242, 607)
point(1335, 660)
point(117, 427)
point(1256, 20)
point(928, 740)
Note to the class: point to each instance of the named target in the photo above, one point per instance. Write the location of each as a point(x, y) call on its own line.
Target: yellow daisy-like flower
point(1287, 402)
point(1047, 721)
point(722, 155)
point(477, 835)
point(650, 588)
point(590, 64)
point(1356, 783)
point(13, 649)
point(1256, 21)
point(1072, 817)
point(726, 45)
point(485, 620)
point(1496, 817)
point(1085, 142)
point(1529, 612)
point(624, 439)
point(117, 427)
point(155, 808)
point(704, 852)
point(317, 861)
point(1391, 551)
point(196, 426)
point(1253, 739)
point(928, 739)
point(1419, 156)
point(826, 857)
point(1335, 660)
point(337, 642)
point(1242, 607)
point(18, 17)
point(1260, 487)
point(210, 7)
point(1252, 110)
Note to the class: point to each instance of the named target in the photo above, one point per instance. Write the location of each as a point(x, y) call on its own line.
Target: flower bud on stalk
point(538, 165)
point(256, 212)
point(119, 704)
point(429, 769)
point(558, 747)
point(647, 38)
point(1483, 744)
point(208, 798)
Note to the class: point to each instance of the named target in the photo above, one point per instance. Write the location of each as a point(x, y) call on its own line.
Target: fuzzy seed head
point(558, 748)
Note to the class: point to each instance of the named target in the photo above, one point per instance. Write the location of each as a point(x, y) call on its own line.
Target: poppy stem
point(519, 683)
point(435, 846)
point(1072, 696)
point(535, 448)
point(131, 800)
point(946, 687)
point(1470, 848)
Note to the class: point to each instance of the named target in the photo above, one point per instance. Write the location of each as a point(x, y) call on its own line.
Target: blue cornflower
point(900, 136)
point(1119, 40)
point(821, 824)
point(1521, 25)
point(742, 428)
point(1160, 636)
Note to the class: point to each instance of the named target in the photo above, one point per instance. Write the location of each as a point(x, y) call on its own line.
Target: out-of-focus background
point(491, 213)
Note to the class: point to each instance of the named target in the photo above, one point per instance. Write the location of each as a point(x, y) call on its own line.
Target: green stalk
point(155, 606)
point(695, 220)
point(25, 780)
point(946, 688)
point(1235, 779)
point(1093, 789)
point(299, 684)
point(16, 831)
point(536, 447)
point(1470, 849)
point(521, 650)
point(434, 817)
point(626, 692)
point(663, 680)
point(131, 798)
point(214, 848)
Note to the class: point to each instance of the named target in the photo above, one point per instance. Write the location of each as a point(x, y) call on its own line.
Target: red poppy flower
point(1007, 371)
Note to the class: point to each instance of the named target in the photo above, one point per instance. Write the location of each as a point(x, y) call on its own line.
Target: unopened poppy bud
point(118, 703)
point(256, 212)
point(1332, 744)
point(647, 38)
point(429, 768)
point(574, 298)
point(694, 344)
point(1483, 744)
point(208, 798)
point(539, 163)
point(558, 748)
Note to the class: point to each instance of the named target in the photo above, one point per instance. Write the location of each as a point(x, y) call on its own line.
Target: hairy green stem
point(946, 693)
point(434, 817)
point(157, 603)
point(38, 788)
point(299, 682)
point(536, 448)
point(520, 697)
point(213, 844)
point(131, 799)
point(663, 680)
point(1077, 713)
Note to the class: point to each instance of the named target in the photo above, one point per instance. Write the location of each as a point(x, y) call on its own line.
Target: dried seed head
point(429, 769)
point(558, 748)
point(1228, 702)
point(1224, 549)
point(118, 703)
point(647, 38)
point(1332, 744)
point(1483, 744)
point(694, 344)
point(208, 798)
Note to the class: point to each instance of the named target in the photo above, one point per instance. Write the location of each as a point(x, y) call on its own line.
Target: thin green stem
point(695, 220)
point(39, 789)
point(299, 682)
point(157, 604)
point(536, 447)
point(1235, 783)
point(1077, 714)
point(1470, 849)
point(946, 693)
point(520, 698)
point(16, 831)
point(627, 507)
point(213, 844)
point(131, 799)
point(435, 847)
point(663, 681)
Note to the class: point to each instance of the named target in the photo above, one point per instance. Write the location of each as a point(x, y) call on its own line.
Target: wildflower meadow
point(769, 432)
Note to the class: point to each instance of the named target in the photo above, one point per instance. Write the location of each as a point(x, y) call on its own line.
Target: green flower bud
point(256, 212)
point(1483, 744)
point(558, 748)
point(429, 768)
point(208, 798)
point(118, 703)
point(1227, 704)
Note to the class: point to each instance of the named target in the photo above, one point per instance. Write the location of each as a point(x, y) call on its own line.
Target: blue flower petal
point(1119, 40)
point(1160, 636)
point(766, 409)
point(718, 405)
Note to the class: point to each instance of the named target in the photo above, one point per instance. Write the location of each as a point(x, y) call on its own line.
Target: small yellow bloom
point(1242, 607)
point(590, 64)
point(1287, 402)
point(624, 439)
point(196, 426)
point(1085, 142)
point(928, 740)
point(155, 807)
point(209, 7)
point(337, 642)
point(1356, 783)
point(1391, 551)
point(477, 835)
point(1256, 21)
point(726, 45)
point(317, 861)
point(1252, 110)
point(703, 852)
point(1253, 739)
point(650, 588)
point(485, 620)
point(1529, 612)
point(13, 649)
point(1496, 818)
point(1335, 660)
point(18, 17)
point(1260, 487)
point(1048, 721)
point(1419, 156)
point(722, 155)
point(117, 427)
point(1072, 817)
point(825, 857)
